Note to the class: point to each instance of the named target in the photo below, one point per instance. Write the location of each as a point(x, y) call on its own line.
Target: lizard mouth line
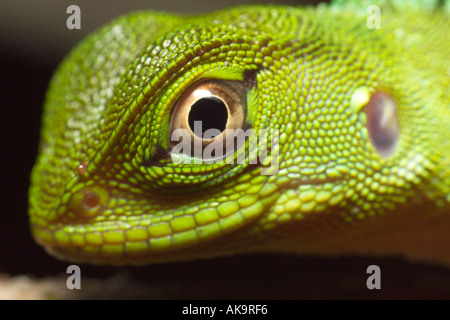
point(295, 182)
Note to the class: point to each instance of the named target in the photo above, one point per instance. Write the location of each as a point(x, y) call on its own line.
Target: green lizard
point(363, 152)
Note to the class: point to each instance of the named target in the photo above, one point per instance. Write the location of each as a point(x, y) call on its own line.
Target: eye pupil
point(211, 111)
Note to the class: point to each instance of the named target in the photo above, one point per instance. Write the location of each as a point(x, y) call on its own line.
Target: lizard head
point(304, 132)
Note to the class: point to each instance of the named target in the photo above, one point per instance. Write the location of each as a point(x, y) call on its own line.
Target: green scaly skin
point(109, 104)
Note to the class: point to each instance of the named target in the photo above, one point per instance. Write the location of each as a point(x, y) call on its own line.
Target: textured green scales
point(109, 104)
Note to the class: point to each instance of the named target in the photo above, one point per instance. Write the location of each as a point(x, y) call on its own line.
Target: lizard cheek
point(382, 123)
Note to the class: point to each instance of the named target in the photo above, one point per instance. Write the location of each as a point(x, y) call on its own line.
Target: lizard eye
point(382, 123)
point(205, 112)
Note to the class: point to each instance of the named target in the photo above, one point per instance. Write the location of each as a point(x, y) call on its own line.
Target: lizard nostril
point(91, 200)
point(88, 202)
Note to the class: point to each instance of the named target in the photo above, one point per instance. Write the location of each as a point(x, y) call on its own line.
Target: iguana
point(354, 100)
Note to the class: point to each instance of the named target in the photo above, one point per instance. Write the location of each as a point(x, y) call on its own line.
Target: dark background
point(33, 40)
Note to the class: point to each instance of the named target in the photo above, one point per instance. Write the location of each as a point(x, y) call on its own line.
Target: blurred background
point(33, 40)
